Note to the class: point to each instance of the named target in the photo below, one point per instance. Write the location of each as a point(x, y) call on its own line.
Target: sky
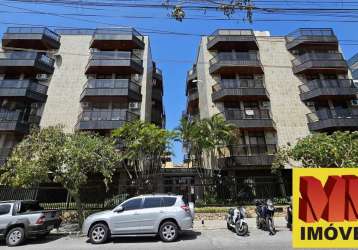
point(175, 54)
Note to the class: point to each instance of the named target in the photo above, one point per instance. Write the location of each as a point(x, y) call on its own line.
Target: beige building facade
point(90, 80)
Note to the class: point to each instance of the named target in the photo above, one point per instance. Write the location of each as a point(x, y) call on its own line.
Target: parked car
point(20, 220)
point(150, 215)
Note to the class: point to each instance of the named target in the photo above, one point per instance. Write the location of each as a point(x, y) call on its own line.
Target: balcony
point(157, 116)
point(245, 155)
point(193, 95)
point(111, 90)
point(328, 120)
point(237, 62)
point(108, 62)
point(4, 154)
point(243, 89)
point(309, 38)
point(18, 62)
point(232, 39)
point(31, 38)
point(328, 89)
point(23, 89)
point(104, 119)
point(117, 39)
point(320, 63)
point(16, 121)
point(250, 118)
point(157, 94)
point(157, 74)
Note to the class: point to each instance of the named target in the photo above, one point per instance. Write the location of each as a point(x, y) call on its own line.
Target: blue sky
point(175, 54)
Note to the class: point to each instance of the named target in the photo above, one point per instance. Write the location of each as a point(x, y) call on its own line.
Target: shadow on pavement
point(36, 241)
point(184, 236)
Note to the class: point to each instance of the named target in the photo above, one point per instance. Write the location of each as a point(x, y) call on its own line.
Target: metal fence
point(97, 197)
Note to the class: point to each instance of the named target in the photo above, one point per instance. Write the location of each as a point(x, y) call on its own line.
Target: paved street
point(212, 236)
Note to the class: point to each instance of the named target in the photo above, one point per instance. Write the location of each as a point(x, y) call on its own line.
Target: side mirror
point(118, 209)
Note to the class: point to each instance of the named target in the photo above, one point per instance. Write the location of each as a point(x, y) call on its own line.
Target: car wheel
point(15, 237)
point(168, 231)
point(99, 233)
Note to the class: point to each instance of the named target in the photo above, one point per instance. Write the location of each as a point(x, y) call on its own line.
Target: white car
point(150, 215)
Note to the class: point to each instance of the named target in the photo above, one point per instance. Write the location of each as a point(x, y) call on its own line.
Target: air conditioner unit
point(354, 102)
point(42, 77)
point(133, 105)
point(266, 104)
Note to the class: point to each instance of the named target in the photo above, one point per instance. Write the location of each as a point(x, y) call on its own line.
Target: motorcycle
point(264, 216)
point(235, 220)
point(289, 217)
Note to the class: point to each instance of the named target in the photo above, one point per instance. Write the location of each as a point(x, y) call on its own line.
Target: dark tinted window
point(152, 202)
point(168, 201)
point(5, 209)
point(132, 204)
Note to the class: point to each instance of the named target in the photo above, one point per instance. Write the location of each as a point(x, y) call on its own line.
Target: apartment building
point(85, 79)
point(275, 89)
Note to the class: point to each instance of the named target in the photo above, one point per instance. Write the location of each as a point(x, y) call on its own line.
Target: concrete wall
point(288, 111)
point(63, 101)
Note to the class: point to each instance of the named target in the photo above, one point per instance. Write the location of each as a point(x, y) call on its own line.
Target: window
point(168, 201)
point(132, 204)
point(5, 209)
point(152, 202)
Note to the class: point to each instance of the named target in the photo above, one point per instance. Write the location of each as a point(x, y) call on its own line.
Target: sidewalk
point(280, 222)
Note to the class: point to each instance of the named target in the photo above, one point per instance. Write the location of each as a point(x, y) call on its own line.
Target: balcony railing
point(112, 84)
point(16, 120)
point(104, 119)
point(232, 32)
point(31, 37)
point(117, 38)
point(326, 119)
point(108, 60)
point(230, 88)
point(309, 32)
point(227, 39)
point(239, 114)
point(34, 30)
point(23, 84)
point(252, 149)
point(234, 59)
point(111, 88)
point(315, 61)
point(328, 87)
point(108, 115)
point(193, 95)
point(17, 61)
point(250, 118)
point(244, 155)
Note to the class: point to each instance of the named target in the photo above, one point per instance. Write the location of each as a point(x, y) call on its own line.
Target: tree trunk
point(79, 207)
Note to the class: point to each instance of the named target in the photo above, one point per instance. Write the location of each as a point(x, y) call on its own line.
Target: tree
point(205, 136)
point(339, 150)
point(142, 146)
point(50, 155)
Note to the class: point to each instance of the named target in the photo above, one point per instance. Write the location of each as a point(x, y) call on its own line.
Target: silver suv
point(149, 215)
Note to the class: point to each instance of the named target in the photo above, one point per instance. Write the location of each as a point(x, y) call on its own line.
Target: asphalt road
point(212, 236)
